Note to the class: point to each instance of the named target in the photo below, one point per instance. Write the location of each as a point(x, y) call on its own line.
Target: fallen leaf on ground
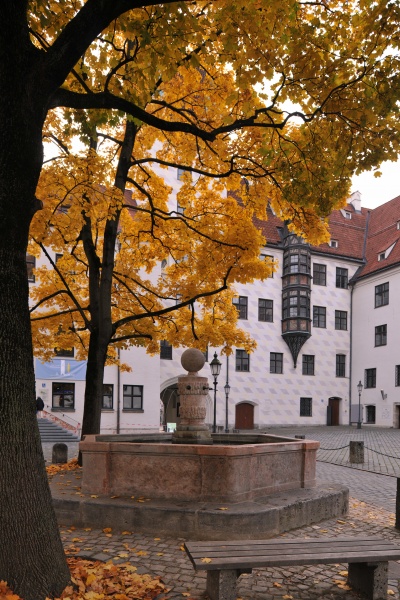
point(206, 560)
point(276, 584)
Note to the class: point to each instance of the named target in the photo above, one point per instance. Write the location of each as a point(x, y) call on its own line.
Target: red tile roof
point(362, 237)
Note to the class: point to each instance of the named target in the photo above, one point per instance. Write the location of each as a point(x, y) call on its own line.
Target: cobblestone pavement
point(381, 445)
point(371, 512)
point(372, 506)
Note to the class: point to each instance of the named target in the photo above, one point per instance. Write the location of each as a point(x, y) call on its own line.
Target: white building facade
point(324, 322)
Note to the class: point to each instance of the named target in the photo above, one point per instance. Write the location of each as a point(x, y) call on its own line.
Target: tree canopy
point(290, 97)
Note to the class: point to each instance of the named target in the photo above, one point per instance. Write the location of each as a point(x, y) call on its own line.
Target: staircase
point(50, 432)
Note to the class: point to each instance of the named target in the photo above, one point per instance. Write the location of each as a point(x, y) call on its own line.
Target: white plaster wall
point(384, 358)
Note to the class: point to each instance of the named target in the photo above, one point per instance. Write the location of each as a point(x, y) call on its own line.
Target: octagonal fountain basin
point(235, 468)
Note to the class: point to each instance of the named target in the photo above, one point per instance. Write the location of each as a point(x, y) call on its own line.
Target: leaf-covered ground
point(95, 580)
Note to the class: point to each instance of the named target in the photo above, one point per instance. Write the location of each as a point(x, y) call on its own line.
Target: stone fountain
point(266, 483)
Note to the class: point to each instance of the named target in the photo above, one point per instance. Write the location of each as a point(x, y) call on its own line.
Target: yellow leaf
point(107, 530)
point(287, 597)
point(90, 578)
point(276, 584)
point(342, 522)
point(93, 496)
point(126, 533)
point(343, 573)
point(206, 560)
point(390, 592)
point(223, 508)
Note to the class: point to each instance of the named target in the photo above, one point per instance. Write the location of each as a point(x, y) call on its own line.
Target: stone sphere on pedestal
point(192, 360)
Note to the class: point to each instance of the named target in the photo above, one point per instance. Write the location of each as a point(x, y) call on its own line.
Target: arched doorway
point(170, 399)
point(333, 416)
point(244, 416)
point(169, 396)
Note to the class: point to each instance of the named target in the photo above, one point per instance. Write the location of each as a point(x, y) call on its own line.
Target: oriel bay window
point(133, 397)
point(296, 303)
point(297, 261)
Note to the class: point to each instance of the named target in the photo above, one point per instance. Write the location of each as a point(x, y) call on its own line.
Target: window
point(382, 256)
point(265, 310)
point(276, 362)
point(108, 395)
point(370, 413)
point(306, 407)
point(319, 274)
point(370, 378)
point(64, 353)
point(242, 361)
point(381, 335)
point(342, 276)
point(180, 209)
point(63, 395)
point(397, 375)
point(58, 257)
point(347, 215)
point(165, 350)
point(297, 261)
point(319, 316)
point(341, 319)
point(296, 303)
point(133, 397)
point(180, 173)
point(263, 256)
point(205, 353)
point(241, 305)
point(340, 365)
point(334, 243)
point(381, 294)
point(30, 265)
point(308, 364)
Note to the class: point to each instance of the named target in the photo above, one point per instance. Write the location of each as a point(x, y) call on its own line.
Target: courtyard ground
point(372, 506)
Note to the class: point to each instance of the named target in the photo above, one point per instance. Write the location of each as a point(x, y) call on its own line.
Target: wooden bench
point(367, 558)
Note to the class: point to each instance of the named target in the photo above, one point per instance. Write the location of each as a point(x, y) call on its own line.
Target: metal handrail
point(75, 426)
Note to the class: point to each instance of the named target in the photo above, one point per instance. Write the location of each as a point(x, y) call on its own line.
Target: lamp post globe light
point(227, 389)
point(215, 367)
point(360, 388)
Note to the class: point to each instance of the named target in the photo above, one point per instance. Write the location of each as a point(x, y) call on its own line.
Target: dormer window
point(334, 243)
point(347, 215)
point(385, 254)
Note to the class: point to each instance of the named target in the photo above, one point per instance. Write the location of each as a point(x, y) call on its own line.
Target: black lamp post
point(215, 367)
point(359, 387)
point(227, 389)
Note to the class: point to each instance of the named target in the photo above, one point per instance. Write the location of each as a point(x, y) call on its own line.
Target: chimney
point(355, 201)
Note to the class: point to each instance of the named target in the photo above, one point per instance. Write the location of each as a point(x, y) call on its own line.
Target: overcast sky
point(378, 190)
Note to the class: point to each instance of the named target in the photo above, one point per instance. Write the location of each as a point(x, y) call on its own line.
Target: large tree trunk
point(94, 385)
point(32, 559)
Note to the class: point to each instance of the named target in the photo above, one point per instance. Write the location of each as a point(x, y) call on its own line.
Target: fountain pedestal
point(193, 392)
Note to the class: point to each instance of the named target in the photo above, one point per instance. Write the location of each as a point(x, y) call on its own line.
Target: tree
point(337, 63)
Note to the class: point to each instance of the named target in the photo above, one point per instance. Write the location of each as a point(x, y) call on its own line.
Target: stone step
point(52, 432)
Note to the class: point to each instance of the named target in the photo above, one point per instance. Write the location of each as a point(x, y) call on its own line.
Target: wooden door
point(334, 406)
point(244, 416)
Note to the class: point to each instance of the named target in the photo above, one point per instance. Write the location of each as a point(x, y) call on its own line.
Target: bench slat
point(232, 555)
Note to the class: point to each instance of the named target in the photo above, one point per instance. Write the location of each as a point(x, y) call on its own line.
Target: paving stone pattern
point(372, 506)
point(381, 445)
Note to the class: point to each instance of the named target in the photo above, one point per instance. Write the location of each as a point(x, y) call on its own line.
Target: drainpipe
point(119, 393)
point(352, 284)
point(351, 348)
